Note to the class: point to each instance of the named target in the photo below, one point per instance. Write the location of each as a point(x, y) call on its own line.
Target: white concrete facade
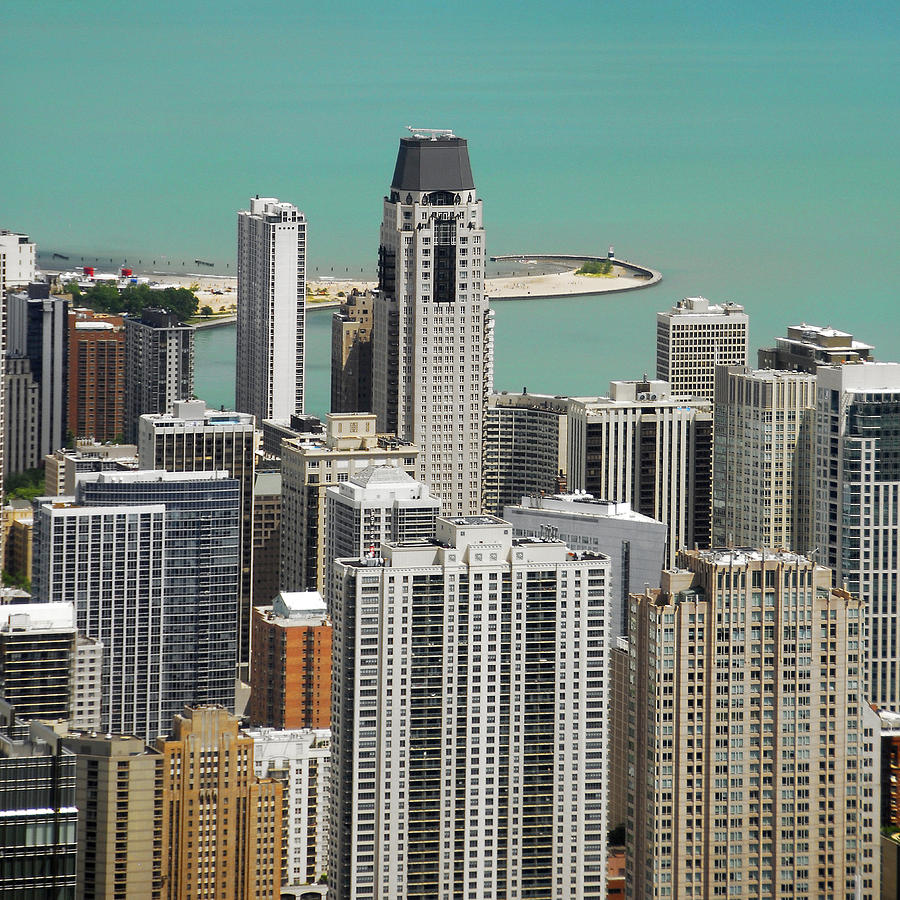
point(469, 719)
point(271, 319)
point(301, 760)
point(433, 331)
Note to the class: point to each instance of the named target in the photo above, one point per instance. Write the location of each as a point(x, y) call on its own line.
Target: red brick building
point(290, 663)
point(96, 375)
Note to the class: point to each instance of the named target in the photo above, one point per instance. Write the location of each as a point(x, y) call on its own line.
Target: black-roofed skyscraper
point(432, 358)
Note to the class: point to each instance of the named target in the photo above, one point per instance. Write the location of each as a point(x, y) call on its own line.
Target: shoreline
point(219, 292)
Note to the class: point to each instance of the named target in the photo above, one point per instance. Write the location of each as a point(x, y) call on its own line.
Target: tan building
point(61, 466)
point(619, 693)
point(290, 672)
point(351, 354)
point(118, 789)
point(221, 825)
point(754, 751)
point(763, 458)
point(308, 468)
point(18, 531)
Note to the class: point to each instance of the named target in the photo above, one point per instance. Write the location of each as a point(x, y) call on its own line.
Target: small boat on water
point(526, 262)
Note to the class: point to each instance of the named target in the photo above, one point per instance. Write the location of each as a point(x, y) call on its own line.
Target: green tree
point(206, 310)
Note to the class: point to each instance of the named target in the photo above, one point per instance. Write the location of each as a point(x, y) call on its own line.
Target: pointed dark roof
point(433, 165)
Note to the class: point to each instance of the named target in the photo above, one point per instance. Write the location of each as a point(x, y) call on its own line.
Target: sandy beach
point(220, 292)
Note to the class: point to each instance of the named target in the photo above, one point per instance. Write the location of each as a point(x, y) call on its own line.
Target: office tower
point(524, 452)
point(468, 732)
point(151, 562)
point(635, 544)
point(857, 479)
point(762, 485)
point(118, 791)
point(221, 834)
point(271, 309)
point(301, 761)
point(290, 671)
point(159, 365)
point(192, 438)
point(380, 503)
point(37, 813)
point(266, 536)
point(62, 467)
point(753, 744)
point(647, 446)
point(807, 347)
point(890, 768)
point(351, 354)
point(85, 711)
point(21, 411)
point(96, 379)
point(432, 357)
point(38, 332)
point(695, 336)
point(308, 468)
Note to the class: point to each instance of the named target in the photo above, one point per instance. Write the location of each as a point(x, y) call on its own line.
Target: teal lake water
point(748, 151)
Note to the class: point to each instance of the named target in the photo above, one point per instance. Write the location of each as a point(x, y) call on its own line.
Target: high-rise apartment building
point(754, 751)
point(695, 336)
point(647, 446)
point(309, 466)
point(38, 332)
point(469, 719)
point(301, 760)
point(221, 825)
point(151, 562)
point(432, 357)
point(807, 347)
point(763, 467)
point(524, 448)
point(379, 503)
point(37, 813)
point(159, 365)
point(96, 379)
point(192, 438)
point(118, 794)
point(20, 412)
point(857, 483)
point(271, 309)
point(290, 671)
point(351, 354)
point(635, 544)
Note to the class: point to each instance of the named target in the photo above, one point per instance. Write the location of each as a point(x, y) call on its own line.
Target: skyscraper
point(191, 438)
point(221, 825)
point(271, 309)
point(762, 490)
point(151, 562)
point(96, 388)
point(857, 484)
point(159, 365)
point(754, 752)
point(807, 347)
point(37, 327)
point(469, 719)
point(695, 336)
point(433, 335)
point(649, 447)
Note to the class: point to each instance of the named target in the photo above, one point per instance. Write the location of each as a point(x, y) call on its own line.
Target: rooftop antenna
point(431, 134)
